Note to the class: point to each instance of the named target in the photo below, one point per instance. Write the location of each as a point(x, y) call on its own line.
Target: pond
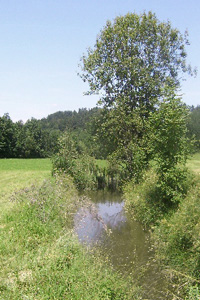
point(105, 225)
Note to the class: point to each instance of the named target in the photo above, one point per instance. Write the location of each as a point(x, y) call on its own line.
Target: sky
point(42, 41)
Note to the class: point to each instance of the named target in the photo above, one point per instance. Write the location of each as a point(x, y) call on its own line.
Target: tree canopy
point(135, 59)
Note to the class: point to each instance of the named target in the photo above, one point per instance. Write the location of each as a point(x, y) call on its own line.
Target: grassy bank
point(175, 229)
point(39, 253)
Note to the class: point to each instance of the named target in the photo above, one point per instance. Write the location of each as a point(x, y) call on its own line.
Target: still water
point(128, 247)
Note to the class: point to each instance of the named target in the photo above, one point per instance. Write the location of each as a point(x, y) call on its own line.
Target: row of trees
point(39, 138)
point(25, 140)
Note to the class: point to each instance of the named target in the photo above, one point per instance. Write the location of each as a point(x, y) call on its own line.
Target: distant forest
point(40, 138)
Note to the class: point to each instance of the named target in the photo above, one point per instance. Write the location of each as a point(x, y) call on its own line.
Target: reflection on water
point(104, 223)
point(93, 223)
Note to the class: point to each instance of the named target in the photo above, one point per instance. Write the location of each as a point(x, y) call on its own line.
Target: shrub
point(172, 185)
point(142, 200)
point(73, 160)
point(146, 201)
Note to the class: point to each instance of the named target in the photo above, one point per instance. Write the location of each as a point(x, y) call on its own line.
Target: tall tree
point(134, 64)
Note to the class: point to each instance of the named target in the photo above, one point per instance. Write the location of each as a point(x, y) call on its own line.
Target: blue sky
point(42, 42)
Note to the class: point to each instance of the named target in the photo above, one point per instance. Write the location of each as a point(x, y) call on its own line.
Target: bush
point(142, 200)
point(172, 185)
point(148, 201)
point(73, 160)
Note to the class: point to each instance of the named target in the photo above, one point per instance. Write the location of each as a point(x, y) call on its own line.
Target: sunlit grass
point(16, 174)
point(193, 163)
point(42, 164)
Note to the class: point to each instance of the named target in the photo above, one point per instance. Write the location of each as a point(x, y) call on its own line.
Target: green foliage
point(193, 125)
point(7, 137)
point(133, 58)
point(179, 235)
point(169, 141)
point(170, 147)
point(73, 160)
point(143, 201)
point(125, 140)
point(30, 140)
point(18, 140)
point(71, 120)
point(39, 138)
point(175, 231)
point(177, 242)
point(134, 63)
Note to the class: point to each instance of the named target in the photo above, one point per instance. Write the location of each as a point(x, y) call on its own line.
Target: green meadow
point(194, 163)
point(16, 174)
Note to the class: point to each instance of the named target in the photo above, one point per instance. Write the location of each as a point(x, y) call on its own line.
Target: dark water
point(128, 247)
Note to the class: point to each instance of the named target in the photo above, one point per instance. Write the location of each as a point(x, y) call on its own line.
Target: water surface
point(128, 247)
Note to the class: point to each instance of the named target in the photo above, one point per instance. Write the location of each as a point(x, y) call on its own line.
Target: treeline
point(39, 138)
point(193, 125)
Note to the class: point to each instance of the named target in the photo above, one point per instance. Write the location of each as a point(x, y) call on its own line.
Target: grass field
point(16, 174)
point(194, 163)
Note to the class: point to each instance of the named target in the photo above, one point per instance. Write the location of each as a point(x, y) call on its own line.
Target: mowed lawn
point(16, 174)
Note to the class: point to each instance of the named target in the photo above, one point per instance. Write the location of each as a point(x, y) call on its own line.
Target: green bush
point(148, 201)
point(142, 200)
point(172, 185)
point(73, 160)
point(175, 229)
